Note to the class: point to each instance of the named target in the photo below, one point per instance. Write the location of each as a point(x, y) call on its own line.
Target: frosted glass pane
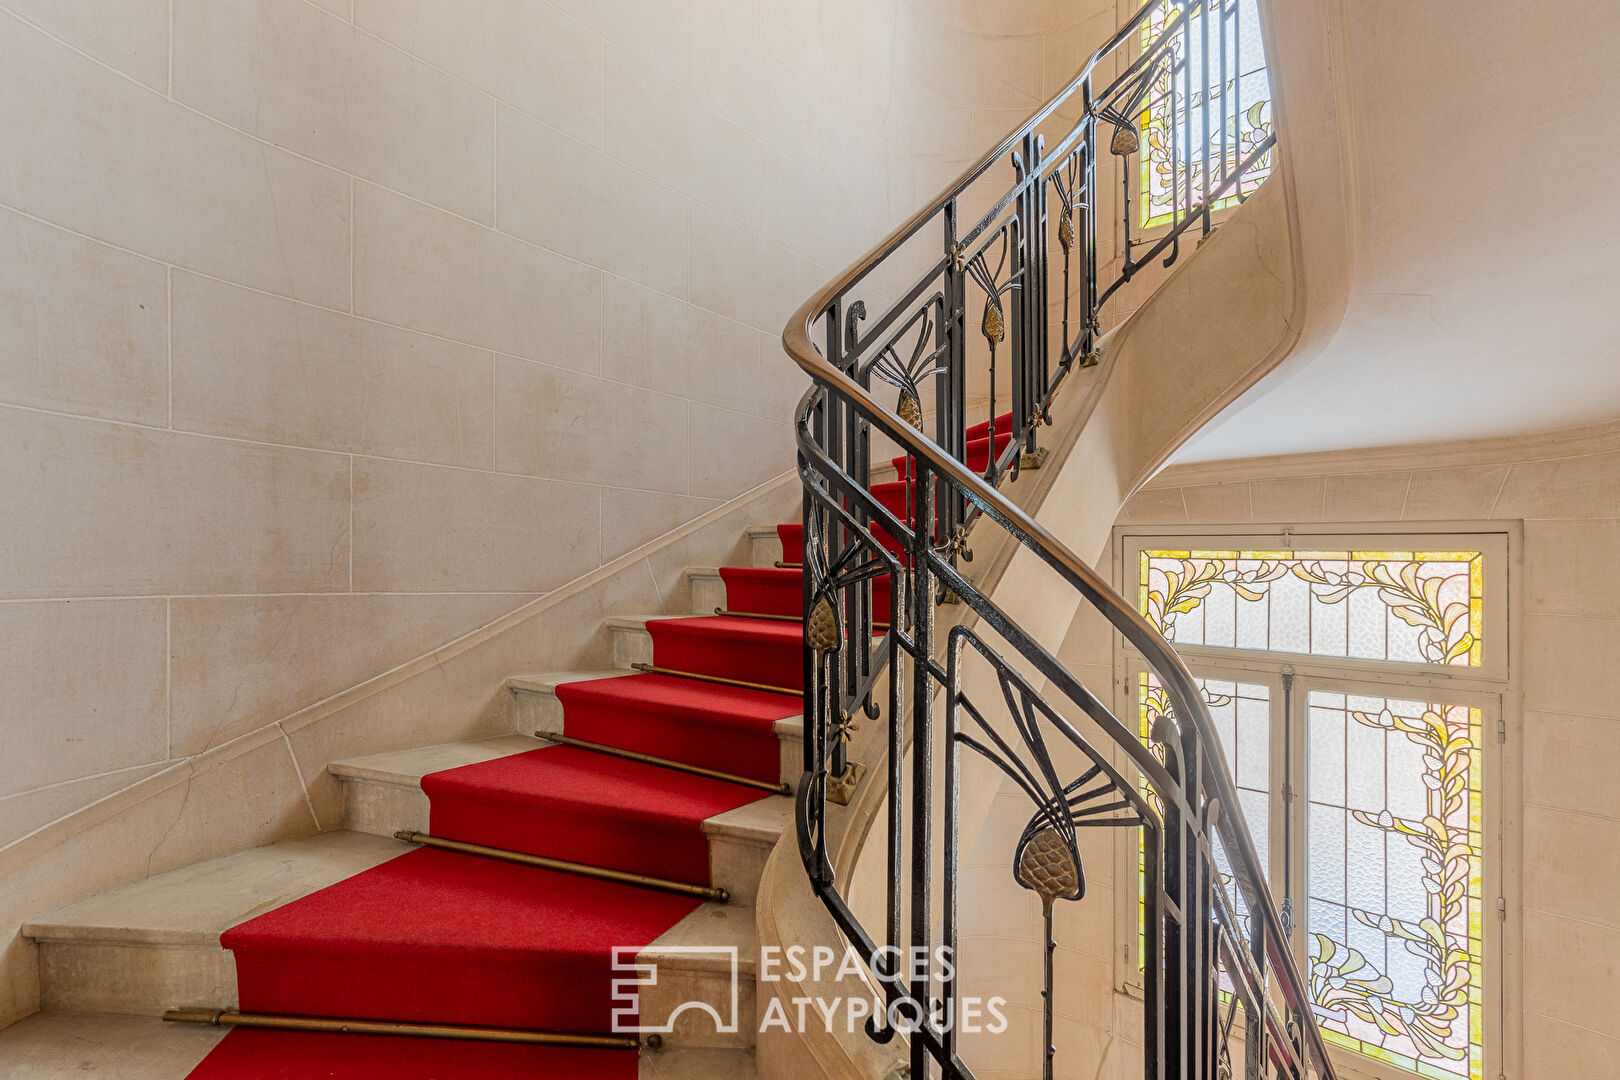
point(1325, 852)
point(1327, 755)
point(1394, 858)
point(1328, 629)
point(1404, 606)
point(1407, 794)
point(1364, 866)
point(1220, 617)
point(1369, 630)
point(1253, 759)
point(1328, 919)
point(1253, 619)
point(1290, 611)
point(1408, 898)
point(1364, 767)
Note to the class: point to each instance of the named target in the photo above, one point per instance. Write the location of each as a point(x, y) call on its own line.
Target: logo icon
point(632, 1001)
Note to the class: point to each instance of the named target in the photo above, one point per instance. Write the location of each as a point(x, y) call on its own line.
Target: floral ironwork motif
point(907, 377)
point(994, 322)
point(923, 334)
point(1046, 860)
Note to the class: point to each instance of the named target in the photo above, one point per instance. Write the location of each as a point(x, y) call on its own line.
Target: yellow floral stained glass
point(1238, 100)
point(1394, 811)
point(1420, 607)
point(1396, 869)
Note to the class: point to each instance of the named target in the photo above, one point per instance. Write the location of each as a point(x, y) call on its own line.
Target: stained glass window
point(1396, 864)
point(1391, 810)
point(1232, 92)
point(1421, 607)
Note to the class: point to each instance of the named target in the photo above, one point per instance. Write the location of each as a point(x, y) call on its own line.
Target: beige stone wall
point(332, 330)
point(1565, 488)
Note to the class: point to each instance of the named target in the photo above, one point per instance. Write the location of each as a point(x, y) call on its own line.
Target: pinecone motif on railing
point(1066, 230)
point(910, 409)
point(1126, 141)
point(821, 629)
point(1048, 867)
point(995, 324)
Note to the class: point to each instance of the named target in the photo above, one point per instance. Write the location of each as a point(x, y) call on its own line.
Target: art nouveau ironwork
point(955, 311)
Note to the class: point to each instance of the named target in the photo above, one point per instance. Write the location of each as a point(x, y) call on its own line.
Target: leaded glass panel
point(1239, 102)
point(1418, 607)
point(1395, 880)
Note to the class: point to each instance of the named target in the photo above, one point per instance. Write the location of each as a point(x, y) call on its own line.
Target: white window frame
point(1493, 687)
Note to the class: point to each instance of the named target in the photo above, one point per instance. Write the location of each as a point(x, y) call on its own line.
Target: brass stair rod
point(665, 763)
point(757, 615)
point(230, 1018)
point(653, 669)
point(624, 877)
point(778, 618)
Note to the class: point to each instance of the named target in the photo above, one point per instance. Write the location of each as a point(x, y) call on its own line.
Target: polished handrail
point(1178, 681)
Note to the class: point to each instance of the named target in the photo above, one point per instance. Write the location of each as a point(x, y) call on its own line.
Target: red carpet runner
point(439, 937)
point(444, 938)
point(286, 1055)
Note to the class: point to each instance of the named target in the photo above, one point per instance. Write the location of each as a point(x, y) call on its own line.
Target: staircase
point(477, 891)
point(491, 908)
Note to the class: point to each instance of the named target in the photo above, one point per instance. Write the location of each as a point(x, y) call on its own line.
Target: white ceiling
point(1485, 297)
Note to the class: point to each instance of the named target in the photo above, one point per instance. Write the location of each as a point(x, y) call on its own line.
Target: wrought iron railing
point(1023, 261)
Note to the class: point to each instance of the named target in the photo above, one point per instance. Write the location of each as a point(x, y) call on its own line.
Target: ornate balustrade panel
point(1004, 301)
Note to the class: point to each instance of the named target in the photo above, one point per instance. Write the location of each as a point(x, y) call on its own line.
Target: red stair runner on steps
point(772, 591)
point(750, 650)
point(720, 727)
point(792, 537)
point(573, 804)
point(982, 430)
point(764, 590)
point(297, 1055)
point(442, 938)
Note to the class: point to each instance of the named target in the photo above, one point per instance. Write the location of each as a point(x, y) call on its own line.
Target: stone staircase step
point(107, 1046)
point(632, 644)
point(101, 1046)
point(708, 590)
point(771, 646)
point(764, 546)
point(154, 945)
point(538, 709)
point(383, 793)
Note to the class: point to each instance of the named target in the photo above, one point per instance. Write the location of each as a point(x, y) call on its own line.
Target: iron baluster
point(921, 594)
